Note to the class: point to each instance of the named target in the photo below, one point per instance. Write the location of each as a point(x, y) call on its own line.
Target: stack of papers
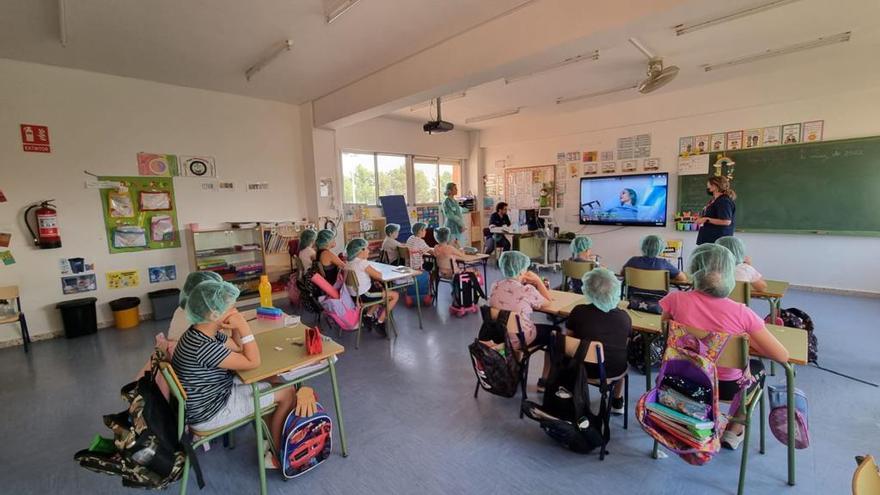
point(687, 429)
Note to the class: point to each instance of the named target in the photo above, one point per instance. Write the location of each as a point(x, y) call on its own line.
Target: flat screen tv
point(624, 200)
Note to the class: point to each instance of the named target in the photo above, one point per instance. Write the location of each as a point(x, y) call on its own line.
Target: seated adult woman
point(580, 252)
point(307, 251)
point(707, 307)
point(744, 272)
point(329, 261)
point(179, 322)
point(600, 320)
point(205, 365)
point(521, 292)
point(652, 246)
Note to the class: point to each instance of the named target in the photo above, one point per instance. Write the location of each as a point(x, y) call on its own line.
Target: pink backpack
point(342, 310)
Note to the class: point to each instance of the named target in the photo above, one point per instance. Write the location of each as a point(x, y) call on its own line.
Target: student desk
point(291, 357)
point(260, 325)
point(393, 277)
point(775, 291)
point(477, 259)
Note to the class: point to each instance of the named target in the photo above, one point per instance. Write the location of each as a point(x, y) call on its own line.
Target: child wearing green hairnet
point(446, 254)
point(708, 307)
point(599, 319)
point(205, 366)
point(581, 252)
point(652, 247)
point(744, 272)
point(307, 251)
point(391, 244)
point(369, 282)
point(179, 323)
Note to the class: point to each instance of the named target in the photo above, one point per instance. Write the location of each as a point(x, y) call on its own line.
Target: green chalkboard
point(829, 187)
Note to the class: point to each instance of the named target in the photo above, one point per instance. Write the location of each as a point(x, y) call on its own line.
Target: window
point(450, 171)
point(391, 171)
point(425, 174)
point(359, 178)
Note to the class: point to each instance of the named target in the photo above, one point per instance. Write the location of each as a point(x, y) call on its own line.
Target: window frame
point(409, 169)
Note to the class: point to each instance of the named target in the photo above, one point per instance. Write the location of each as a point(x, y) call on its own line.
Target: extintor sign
point(35, 138)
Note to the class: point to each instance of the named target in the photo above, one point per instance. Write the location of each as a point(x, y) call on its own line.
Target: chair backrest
point(298, 266)
point(512, 327)
point(351, 282)
point(742, 293)
point(595, 353)
point(177, 391)
point(735, 353)
point(866, 479)
point(656, 280)
point(403, 253)
point(575, 269)
point(9, 292)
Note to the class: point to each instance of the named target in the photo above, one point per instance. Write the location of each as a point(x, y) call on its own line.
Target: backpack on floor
point(779, 416)
point(796, 318)
point(308, 442)
point(342, 311)
point(148, 452)
point(566, 414)
point(492, 356)
point(466, 293)
point(689, 370)
point(635, 352)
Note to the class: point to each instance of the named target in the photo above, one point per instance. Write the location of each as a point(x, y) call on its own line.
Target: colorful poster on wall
point(734, 140)
point(772, 136)
point(156, 164)
point(140, 215)
point(197, 166)
point(159, 274)
point(573, 170)
point(590, 156)
point(79, 283)
point(685, 145)
point(123, 279)
point(701, 143)
point(752, 138)
point(717, 141)
point(791, 133)
point(7, 258)
point(75, 265)
point(5, 238)
point(813, 131)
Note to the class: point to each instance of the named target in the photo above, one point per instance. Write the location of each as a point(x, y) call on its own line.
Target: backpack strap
point(478, 291)
point(581, 397)
point(520, 335)
point(186, 441)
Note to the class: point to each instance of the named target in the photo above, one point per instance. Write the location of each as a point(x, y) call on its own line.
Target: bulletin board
point(523, 185)
point(141, 215)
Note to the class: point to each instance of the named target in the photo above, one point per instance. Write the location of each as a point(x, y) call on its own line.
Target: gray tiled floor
point(414, 427)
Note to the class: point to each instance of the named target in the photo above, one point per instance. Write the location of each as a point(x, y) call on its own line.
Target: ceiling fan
point(658, 76)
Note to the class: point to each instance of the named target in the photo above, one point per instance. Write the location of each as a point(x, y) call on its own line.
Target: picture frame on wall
point(791, 133)
point(609, 167)
point(702, 143)
point(812, 131)
point(717, 141)
point(734, 140)
point(752, 138)
point(628, 165)
point(685, 145)
point(771, 136)
point(651, 164)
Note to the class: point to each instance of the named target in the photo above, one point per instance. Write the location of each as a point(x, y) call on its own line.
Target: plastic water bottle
point(265, 292)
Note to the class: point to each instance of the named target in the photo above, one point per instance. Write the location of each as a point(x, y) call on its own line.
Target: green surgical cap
point(513, 263)
point(324, 238)
point(653, 245)
point(194, 279)
point(449, 187)
point(418, 227)
point(354, 247)
point(208, 301)
point(602, 288)
point(307, 238)
point(392, 229)
point(712, 267)
point(735, 245)
point(580, 244)
point(441, 235)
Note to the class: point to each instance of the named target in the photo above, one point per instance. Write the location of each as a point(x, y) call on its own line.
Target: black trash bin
point(164, 303)
point(79, 316)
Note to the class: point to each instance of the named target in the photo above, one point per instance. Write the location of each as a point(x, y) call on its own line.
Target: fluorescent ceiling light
point(754, 9)
point(569, 99)
point(267, 59)
point(799, 47)
point(490, 116)
point(424, 104)
point(594, 55)
point(334, 9)
point(62, 22)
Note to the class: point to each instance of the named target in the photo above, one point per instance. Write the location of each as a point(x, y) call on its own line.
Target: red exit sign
point(35, 138)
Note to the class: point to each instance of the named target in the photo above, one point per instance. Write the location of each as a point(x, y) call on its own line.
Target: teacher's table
point(281, 351)
point(396, 277)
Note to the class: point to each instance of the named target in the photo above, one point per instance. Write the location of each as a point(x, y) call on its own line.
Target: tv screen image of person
point(624, 200)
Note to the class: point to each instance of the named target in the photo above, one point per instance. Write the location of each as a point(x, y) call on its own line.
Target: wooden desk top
point(260, 326)
point(390, 273)
point(291, 356)
point(473, 258)
point(561, 303)
point(775, 289)
point(793, 339)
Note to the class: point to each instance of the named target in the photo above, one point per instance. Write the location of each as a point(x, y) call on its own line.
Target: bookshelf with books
point(372, 229)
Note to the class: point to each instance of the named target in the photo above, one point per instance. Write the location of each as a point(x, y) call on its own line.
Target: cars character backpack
point(308, 442)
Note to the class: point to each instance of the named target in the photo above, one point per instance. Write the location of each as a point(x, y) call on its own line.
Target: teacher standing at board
point(718, 218)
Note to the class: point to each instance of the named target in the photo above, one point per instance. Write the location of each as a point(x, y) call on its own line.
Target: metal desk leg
point(486, 275)
point(789, 383)
point(338, 407)
point(418, 301)
point(774, 313)
point(648, 339)
point(258, 427)
point(389, 318)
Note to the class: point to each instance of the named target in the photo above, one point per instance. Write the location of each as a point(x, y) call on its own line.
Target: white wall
point(844, 93)
point(402, 136)
point(99, 123)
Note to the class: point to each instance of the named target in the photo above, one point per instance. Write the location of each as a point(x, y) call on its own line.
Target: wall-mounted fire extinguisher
point(47, 236)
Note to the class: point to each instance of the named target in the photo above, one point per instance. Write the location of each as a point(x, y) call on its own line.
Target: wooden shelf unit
point(371, 229)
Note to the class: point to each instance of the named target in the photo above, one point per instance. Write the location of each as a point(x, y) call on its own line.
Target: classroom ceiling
point(620, 64)
point(210, 43)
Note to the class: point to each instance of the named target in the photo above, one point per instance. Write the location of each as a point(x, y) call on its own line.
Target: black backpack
point(148, 452)
point(497, 373)
point(566, 415)
point(466, 290)
point(309, 292)
point(796, 318)
point(635, 352)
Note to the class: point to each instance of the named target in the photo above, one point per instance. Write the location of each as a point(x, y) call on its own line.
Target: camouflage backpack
point(146, 450)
